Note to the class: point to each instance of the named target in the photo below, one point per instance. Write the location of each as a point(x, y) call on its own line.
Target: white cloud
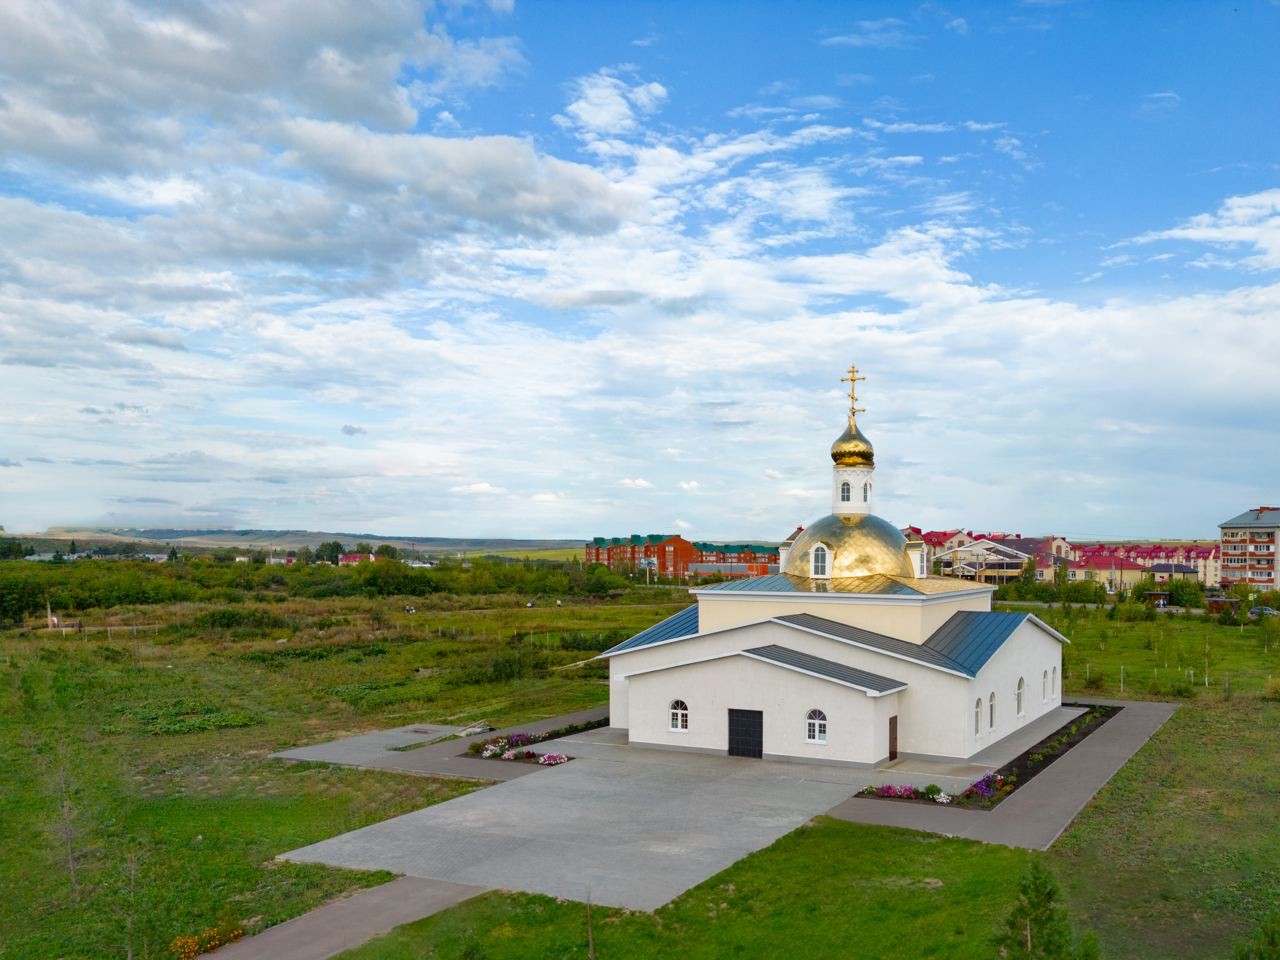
point(681, 524)
point(1251, 222)
point(605, 104)
point(885, 33)
point(663, 302)
point(1155, 105)
point(477, 489)
point(958, 25)
point(906, 127)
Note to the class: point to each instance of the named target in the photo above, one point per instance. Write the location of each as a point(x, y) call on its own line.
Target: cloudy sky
point(564, 269)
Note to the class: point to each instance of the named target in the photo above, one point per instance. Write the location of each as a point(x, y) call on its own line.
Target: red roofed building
point(1114, 573)
point(351, 559)
point(1160, 559)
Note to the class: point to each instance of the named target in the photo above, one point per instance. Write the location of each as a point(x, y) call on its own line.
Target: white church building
point(853, 653)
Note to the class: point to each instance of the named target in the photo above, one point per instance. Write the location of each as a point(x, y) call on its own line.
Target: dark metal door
point(746, 733)
point(893, 738)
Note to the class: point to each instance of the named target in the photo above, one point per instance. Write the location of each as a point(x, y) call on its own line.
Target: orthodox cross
point(852, 380)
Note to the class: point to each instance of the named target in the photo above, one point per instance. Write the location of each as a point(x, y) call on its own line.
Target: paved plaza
point(635, 830)
point(635, 827)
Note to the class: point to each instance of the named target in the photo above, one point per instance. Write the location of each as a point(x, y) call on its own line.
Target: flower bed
point(992, 787)
point(515, 746)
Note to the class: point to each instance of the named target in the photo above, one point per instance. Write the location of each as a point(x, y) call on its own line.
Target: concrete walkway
point(343, 924)
point(628, 826)
point(377, 751)
point(1033, 816)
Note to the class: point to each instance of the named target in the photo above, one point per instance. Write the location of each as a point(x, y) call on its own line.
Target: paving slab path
point(1033, 816)
point(628, 826)
point(338, 926)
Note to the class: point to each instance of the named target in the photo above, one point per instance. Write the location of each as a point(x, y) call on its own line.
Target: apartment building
point(1249, 548)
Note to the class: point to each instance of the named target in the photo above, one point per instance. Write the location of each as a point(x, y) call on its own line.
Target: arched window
point(1053, 686)
point(846, 492)
point(819, 561)
point(815, 727)
point(1044, 686)
point(866, 493)
point(977, 717)
point(1022, 691)
point(679, 715)
point(991, 711)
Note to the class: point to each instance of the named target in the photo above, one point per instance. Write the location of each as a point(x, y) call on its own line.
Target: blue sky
point(561, 269)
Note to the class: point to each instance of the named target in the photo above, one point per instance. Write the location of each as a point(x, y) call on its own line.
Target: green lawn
point(144, 760)
point(1176, 857)
point(140, 763)
point(832, 889)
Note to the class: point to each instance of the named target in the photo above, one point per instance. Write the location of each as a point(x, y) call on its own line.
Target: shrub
point(932, 790)
point(1095, 681)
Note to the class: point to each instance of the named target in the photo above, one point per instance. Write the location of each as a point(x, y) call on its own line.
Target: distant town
point(1243, 553)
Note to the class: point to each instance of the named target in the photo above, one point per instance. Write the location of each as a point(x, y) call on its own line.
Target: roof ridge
point(951, 663)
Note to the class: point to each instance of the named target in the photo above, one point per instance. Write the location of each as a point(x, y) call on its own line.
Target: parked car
point(1262, 612)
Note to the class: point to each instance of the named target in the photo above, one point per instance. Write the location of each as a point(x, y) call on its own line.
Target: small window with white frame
point(1022, 696)
point(815, 727)
point(977, 717)
point(846, 492)
point(679, 715)
point(818, 561)
point(991, 711)
point(1044, 686)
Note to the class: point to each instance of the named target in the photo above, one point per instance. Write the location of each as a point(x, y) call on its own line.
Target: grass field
point(1175, 857)
point(139, 764)
point(138, 802)
point(817, 892)
point(565, 554)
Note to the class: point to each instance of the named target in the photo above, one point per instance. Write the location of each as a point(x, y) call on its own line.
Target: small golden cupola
point(852, 448)
point(852, 541)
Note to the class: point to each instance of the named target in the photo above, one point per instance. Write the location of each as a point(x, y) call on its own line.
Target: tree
point(1037, 927)
point(72, 548)
point(387, 552)
point(1185, 593)
point(305, 556)
point(173, 554)
point(1028, 575)
point(1059, 572)
point(330, 551)
point(364, 548)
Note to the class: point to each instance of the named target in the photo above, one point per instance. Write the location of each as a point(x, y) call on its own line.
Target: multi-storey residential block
point(671, 555)
point(1249, 548)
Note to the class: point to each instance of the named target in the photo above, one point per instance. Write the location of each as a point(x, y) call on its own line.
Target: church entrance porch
point(746, 733)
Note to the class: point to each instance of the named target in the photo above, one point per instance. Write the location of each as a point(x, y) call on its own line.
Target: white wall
point(1027, 654)
point(910, 619)
point(857, 725)
point(855, 477)
point(930, 709)
point(935, 711)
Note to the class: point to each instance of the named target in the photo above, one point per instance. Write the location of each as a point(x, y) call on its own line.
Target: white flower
point(942, 798)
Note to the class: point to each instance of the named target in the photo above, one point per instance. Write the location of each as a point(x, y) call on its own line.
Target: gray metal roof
point(682, 624)
point(970, 638)
point(829, 669)
point(1262, 517)
point(786, 583)
point(891, 645)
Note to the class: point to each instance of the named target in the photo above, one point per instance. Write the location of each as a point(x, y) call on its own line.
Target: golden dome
point(857, 546)
point(852, 449)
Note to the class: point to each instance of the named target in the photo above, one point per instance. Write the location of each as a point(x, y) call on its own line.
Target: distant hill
point(293, 539)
